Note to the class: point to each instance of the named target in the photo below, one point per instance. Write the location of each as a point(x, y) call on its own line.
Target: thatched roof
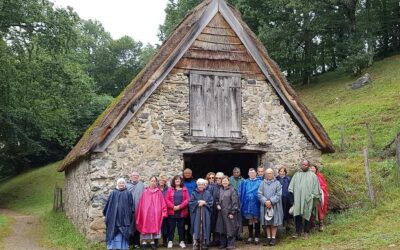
point(117, 115)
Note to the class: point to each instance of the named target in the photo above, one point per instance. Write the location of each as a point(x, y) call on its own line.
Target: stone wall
point(265, 120)
point(153, 142)
point(77, 195)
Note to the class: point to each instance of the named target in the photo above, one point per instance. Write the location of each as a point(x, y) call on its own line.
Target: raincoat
point(250, 205)
point(195, 214)
point(323, 206)
point(118, 214)
point(305, 188)
point(151, 211)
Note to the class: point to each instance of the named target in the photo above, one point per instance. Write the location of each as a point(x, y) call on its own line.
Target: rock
point(95, 212)
point(361, 82)
point(98, 224)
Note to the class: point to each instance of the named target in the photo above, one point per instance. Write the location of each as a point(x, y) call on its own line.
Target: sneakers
point(249, 241)
point(272, 242)
point(256, 241)
point(170, 245)
point(182, 244)
point(196, 245)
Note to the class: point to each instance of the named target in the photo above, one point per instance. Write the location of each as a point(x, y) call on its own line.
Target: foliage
point(308, 38)
point(57, 74)
point(354, 64)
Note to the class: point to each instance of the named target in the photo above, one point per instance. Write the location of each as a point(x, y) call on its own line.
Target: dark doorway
point(224, 162)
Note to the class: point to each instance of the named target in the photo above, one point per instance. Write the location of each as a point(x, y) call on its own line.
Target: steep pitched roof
point(119, 113)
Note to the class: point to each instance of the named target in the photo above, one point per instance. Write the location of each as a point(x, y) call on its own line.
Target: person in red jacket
point(323, 206)
point(177, 199)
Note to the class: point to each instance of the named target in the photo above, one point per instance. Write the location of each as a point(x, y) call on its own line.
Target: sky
point(138, 19)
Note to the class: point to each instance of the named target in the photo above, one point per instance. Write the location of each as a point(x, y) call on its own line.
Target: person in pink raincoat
point(150, 213)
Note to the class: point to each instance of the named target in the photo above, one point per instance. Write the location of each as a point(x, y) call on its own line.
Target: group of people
point(212, 211)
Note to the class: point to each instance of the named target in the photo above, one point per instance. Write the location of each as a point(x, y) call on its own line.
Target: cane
point(201, 228)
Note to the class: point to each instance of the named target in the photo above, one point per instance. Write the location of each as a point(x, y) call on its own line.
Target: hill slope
point(335, 105)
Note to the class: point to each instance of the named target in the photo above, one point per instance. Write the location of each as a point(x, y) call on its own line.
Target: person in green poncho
point(306, 191)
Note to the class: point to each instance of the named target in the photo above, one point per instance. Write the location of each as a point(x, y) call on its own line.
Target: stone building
point(210, 99)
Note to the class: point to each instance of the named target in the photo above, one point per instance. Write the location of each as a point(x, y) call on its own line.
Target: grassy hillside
point(335, 105)
point(32, 193)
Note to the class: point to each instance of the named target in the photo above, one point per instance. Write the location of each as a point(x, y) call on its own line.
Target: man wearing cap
point(306, 191)
point(271, 215)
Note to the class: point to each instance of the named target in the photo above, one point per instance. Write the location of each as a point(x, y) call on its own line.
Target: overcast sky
point(138, 19)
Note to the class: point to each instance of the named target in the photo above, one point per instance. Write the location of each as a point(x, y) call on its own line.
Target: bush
point(354, 64)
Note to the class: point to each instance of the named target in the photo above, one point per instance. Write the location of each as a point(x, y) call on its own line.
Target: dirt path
point(24, 232)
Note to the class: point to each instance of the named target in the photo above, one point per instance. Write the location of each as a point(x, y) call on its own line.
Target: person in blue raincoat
point(201, 201)
point(250, 205)
point(118, 217)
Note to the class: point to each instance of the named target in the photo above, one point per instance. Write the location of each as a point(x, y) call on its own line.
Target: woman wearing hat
point(269, 194)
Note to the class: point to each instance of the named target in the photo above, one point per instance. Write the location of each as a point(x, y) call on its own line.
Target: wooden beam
point(252, 48)
point(227, 147)
point(163, 72)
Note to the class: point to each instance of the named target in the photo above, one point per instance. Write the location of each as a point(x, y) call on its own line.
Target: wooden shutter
point(215, 105)
point(235, 97)
point(197, 105)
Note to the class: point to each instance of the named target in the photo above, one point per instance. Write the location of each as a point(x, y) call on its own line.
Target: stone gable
point(154, 140)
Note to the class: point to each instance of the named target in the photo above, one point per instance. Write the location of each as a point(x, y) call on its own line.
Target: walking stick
point(201, 228)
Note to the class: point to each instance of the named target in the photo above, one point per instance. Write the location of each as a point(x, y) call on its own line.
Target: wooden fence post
point(397, 143)
point(368, 178)
point(371, 139)
point(58, 199)
point(342, 138)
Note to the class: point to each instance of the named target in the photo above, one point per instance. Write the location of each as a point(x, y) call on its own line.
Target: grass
point(32, 193)
point(358, 227)
point(335, 104)
point(5, 224)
